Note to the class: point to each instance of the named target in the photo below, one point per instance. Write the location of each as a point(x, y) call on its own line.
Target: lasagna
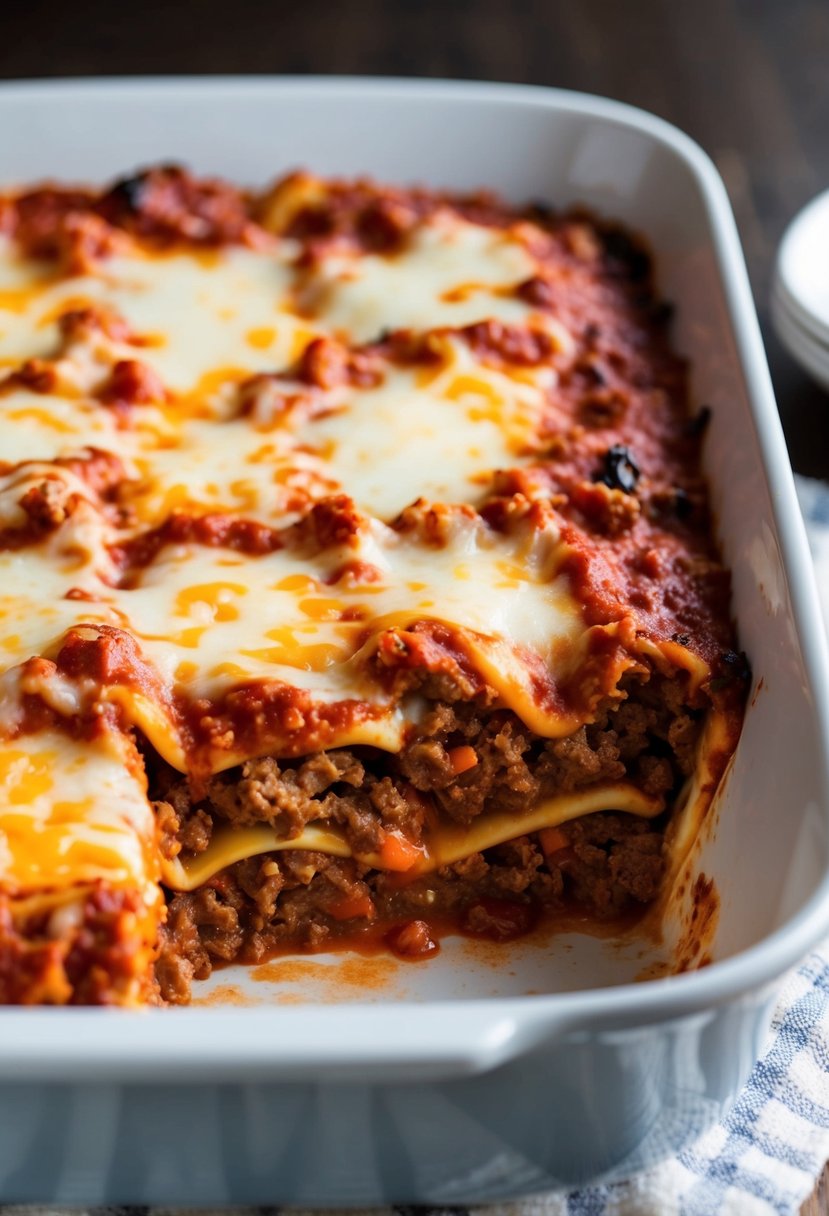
point(357, 579)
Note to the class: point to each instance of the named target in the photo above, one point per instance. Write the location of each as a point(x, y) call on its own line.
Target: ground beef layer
point(604, 863)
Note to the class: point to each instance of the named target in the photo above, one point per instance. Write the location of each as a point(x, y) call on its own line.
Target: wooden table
point(749, 79)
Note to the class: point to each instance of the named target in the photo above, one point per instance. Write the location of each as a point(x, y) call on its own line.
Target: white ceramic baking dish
point(474, 1076)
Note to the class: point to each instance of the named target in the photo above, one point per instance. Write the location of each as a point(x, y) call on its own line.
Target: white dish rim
point(141, 1035)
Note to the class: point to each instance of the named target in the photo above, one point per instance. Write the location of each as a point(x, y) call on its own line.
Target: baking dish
point(475, 1076)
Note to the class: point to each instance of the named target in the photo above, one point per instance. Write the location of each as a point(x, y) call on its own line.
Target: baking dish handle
point(417, 1043)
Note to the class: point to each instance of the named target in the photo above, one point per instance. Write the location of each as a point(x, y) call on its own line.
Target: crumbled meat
point(587, 756)
point(502, 775)
point(266, 792)
point(196, 831)
point(182, 957)
point(609, 863)
point(613, 859)
point(427, 765)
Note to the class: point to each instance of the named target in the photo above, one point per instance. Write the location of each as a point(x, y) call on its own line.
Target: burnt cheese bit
point(731, 667)
point(626, 256)
point(591, 368)
point(681, 639)
point(619, 470)
point(540, 212)
point(736, 664)
point(662, 312)
point(683, 504)
point(697, 426)
point(129, 192)
point(667, 504)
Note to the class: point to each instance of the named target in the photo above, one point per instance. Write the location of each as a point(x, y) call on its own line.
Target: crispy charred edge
point(93, 947)
point(167, 205)
point(604, 865)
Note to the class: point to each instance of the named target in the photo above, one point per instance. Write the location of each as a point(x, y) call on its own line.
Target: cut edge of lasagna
point(357, 577)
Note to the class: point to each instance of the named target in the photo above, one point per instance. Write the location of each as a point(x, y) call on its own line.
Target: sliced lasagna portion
point(356, 579)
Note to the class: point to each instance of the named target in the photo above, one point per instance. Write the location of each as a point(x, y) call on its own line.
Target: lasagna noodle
point(446, 843)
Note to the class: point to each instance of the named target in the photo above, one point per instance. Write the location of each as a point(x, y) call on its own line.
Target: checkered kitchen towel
point(764, 1158)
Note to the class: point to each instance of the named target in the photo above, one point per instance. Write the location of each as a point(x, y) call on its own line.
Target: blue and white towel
point(765, 1157)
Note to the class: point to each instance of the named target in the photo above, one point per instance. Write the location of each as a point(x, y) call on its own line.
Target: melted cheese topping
point(35, 426)
point(308, 617)
point(431, 433)
point(196, 312)
point(75, 811)
point(450, 274)
point(208, 618)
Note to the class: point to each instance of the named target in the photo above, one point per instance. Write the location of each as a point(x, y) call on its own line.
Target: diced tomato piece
point(412, 940)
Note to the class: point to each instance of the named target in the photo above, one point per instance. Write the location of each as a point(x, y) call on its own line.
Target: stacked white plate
point(800, 291)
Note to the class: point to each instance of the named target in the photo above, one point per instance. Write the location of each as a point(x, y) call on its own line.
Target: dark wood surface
point(749, 79)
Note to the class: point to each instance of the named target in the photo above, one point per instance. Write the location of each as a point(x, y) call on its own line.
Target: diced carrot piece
point(551, 840)
point(398, 853)
point(353, 907)
point(462, 759)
